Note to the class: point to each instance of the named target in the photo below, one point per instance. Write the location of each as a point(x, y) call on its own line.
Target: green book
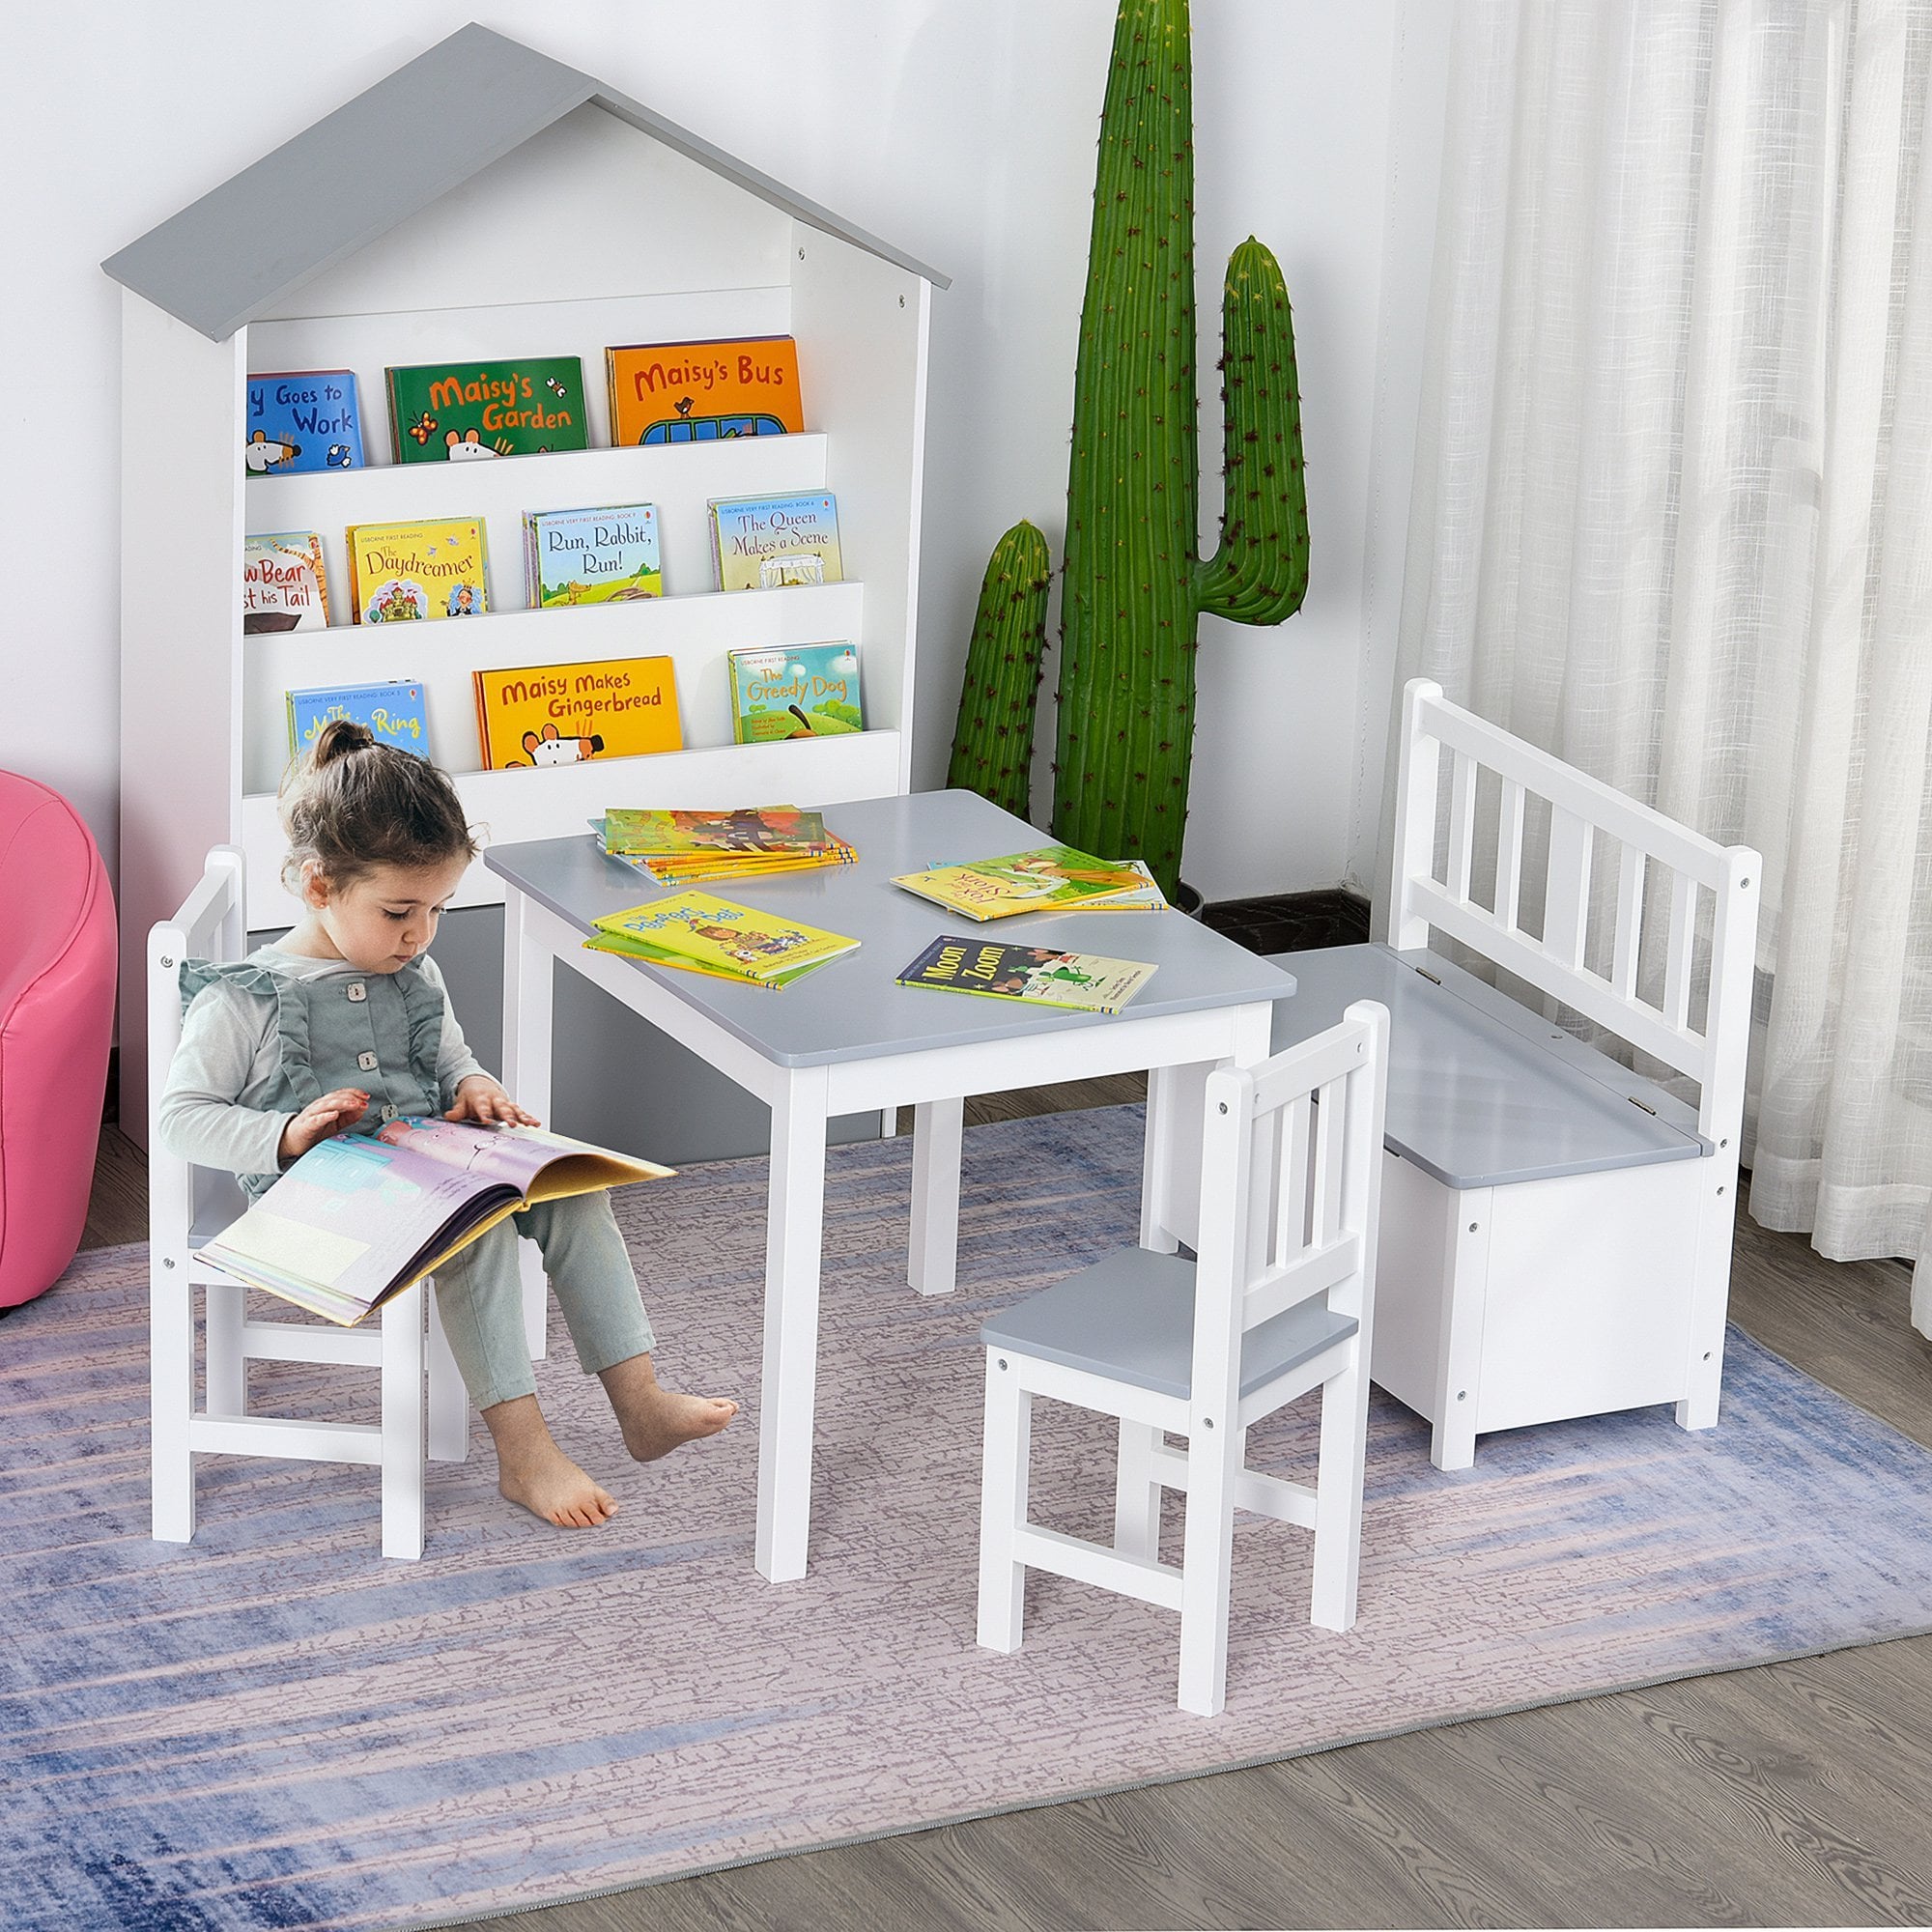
point(631, 947)
point(467, 411)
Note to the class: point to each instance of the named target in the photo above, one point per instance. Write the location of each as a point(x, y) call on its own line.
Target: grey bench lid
point(1130, 1316)
point(1483, 1092)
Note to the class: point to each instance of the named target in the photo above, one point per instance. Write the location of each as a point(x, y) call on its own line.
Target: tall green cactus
point(992, 744)
point(1135, 582)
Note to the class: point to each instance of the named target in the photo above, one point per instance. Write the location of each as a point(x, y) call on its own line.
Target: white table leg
point(793, 1234)
point(1170, 1161)
point(937, 1129)
point(529, 969)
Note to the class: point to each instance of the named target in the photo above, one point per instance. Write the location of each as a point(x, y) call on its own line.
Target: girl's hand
point(479, 1098)
point(320, 1118)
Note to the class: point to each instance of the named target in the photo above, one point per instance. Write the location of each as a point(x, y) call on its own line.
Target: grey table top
point(852, 1008)
point(1482, 1091)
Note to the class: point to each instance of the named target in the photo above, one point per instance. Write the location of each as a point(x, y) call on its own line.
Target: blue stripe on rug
point(274, 1728)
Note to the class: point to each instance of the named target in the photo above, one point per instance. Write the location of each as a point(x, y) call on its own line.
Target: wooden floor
point(1799, 1794)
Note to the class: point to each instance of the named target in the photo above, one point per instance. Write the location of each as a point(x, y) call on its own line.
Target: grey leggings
point(480, 1297)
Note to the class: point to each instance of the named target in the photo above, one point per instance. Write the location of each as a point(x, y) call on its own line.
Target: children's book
point(561, 713)
point(804, 691)
point(406, 573)
point(591, 556)
point(284, 584)
point(703, 391)
point(1037, 975)
point(759, 543)
point(720, 936)
point(1051, 878)
point(469, 412)
point(657, 955)
point(779, 829)
point(361, 1215)
point(393, 711)
point(302, 419)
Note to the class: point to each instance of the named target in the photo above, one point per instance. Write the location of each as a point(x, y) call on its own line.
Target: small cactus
point(992, 744)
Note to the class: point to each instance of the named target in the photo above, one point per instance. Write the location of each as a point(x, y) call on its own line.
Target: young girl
point(343, 1025)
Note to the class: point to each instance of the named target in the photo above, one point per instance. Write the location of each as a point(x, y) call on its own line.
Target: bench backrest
point(1651, 915)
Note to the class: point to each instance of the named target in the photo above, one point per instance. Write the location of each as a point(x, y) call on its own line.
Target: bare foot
point(656, 1420)
point(534, 1471)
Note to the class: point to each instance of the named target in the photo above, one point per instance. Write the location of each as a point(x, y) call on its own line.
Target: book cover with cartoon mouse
point(301, 419)
point(474, 412)
point(565, 713)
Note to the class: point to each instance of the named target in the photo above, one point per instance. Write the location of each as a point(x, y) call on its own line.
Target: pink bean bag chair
point(57, 969)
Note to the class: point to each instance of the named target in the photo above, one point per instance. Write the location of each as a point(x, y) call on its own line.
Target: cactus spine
point(1135, 583)
point(992, 744)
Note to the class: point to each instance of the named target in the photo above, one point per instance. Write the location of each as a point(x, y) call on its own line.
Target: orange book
point(703, 391)
point(562, 714)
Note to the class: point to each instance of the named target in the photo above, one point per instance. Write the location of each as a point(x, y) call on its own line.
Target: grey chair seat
point(1130, 1316)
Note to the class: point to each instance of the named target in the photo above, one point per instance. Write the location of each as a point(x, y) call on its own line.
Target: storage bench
point(1555, 1230)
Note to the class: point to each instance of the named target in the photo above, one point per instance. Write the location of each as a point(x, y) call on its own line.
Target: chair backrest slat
point(1292, 1161)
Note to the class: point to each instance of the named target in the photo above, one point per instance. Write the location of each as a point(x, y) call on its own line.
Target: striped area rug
point(274, 1726)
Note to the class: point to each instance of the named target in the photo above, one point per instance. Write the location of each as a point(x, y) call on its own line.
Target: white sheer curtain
point(1673, 515)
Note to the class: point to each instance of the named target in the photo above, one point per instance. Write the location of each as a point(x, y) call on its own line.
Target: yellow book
point(407, 573)
point(725, 937)
point(1050, 878)
point(561, 713)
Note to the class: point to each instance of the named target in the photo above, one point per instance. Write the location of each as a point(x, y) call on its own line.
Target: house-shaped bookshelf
point(486, 201)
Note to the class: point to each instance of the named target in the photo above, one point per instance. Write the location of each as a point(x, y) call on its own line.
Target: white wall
point(961, 129)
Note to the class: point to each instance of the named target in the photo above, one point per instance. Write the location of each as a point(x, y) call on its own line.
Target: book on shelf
point(284, 584)
point(697, 931)
point(665, 392)
point(761, 543)
point(688, 847)
point(591, 556)
point(416, 1192)
point(1050, 878)
point(407, 573)
point(393, 710)
point(467, 411)
point(795, 691)
point(564, 713)
point(301, 419)
point(1036, 975)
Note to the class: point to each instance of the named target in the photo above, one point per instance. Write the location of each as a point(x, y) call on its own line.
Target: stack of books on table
point(697, 933)
point(683, 848)
point(1050, 878)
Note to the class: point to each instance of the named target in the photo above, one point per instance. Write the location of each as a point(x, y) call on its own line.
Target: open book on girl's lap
point(360, 1216)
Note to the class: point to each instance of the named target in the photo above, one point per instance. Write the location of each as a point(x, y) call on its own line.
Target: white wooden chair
point(187, 1206)
point(1278, 1303)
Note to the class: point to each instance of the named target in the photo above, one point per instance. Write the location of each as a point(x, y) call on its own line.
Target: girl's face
point(382, 920)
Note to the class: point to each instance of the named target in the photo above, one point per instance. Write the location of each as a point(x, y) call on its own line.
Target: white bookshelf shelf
point(696, 632)
point(681, 481)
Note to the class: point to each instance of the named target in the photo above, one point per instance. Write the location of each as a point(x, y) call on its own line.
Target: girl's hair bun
point(337, 739)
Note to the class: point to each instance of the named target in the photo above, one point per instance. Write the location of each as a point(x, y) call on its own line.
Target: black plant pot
point(1186, 899)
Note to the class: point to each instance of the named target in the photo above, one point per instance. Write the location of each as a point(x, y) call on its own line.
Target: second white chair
point(1279, 1303)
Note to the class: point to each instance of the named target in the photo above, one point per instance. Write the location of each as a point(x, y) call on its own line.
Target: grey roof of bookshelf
point(379, 158)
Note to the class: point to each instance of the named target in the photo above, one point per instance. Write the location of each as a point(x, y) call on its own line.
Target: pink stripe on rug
point(274, 1726)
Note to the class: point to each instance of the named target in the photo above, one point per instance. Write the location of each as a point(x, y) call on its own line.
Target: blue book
point(591, 556)
point(393, 711)
point(302, 419)
point(795, 691)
